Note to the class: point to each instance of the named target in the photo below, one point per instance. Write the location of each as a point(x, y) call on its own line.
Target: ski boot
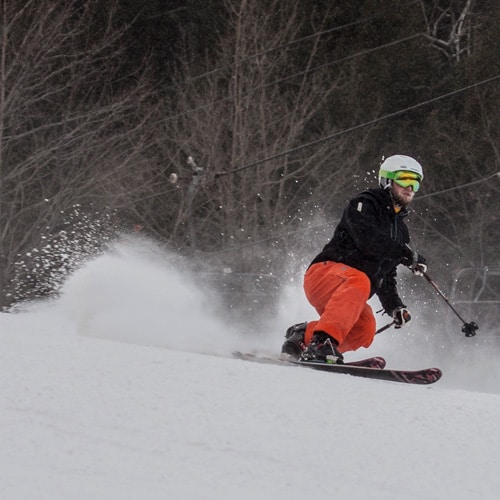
point(294, 344)
point(323, 349)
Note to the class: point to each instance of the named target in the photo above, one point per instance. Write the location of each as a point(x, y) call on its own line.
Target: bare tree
point(247, 124)
point(461, 210)
point(70, 130)
point(449, 26)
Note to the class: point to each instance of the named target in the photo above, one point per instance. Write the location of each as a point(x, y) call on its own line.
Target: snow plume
point(82, 234)
point(138, 293)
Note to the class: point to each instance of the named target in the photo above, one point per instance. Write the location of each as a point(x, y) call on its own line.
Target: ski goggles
point(404, 179)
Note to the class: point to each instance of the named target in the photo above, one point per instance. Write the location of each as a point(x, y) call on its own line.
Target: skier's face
point(402, 195)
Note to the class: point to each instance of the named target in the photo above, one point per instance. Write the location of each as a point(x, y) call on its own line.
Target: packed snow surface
point(124, 388)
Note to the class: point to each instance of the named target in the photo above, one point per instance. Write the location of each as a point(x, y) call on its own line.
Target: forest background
point(234, 131)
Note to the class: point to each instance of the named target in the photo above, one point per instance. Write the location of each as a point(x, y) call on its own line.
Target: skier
point(370, 241)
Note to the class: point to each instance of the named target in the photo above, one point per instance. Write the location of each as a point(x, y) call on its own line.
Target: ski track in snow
point(124, 389)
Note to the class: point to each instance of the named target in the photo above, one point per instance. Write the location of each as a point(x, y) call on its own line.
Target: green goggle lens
point(404, 179)
point(414, 183)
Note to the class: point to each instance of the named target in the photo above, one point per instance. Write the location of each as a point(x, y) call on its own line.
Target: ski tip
point(423, 377)
point(434, 374)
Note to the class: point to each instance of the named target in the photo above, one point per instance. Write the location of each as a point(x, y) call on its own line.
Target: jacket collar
point(384, 197)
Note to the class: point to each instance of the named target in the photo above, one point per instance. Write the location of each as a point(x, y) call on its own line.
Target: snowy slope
point(106, 394)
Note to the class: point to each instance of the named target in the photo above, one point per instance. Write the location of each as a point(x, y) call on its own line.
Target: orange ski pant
point(339, 294)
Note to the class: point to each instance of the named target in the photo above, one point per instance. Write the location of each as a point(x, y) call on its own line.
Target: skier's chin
point(402, 200)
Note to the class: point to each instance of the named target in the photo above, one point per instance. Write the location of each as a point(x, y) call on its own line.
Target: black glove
point(414, 261)
point(401, 316)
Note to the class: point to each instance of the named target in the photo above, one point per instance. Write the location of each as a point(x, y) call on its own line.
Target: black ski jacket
point(371, 237)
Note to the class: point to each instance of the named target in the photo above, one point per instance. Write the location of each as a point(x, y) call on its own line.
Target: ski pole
point(468, 328)
point(384, 328)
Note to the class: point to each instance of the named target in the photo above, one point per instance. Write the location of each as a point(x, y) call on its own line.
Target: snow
point(124, 388)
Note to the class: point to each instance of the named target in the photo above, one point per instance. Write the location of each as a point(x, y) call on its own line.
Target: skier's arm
point(388, 294)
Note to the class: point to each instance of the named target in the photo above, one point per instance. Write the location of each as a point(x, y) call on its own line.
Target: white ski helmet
point(397, 163)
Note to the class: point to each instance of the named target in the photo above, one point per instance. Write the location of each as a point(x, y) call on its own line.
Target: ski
point(373, 362)
point(373, 368)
